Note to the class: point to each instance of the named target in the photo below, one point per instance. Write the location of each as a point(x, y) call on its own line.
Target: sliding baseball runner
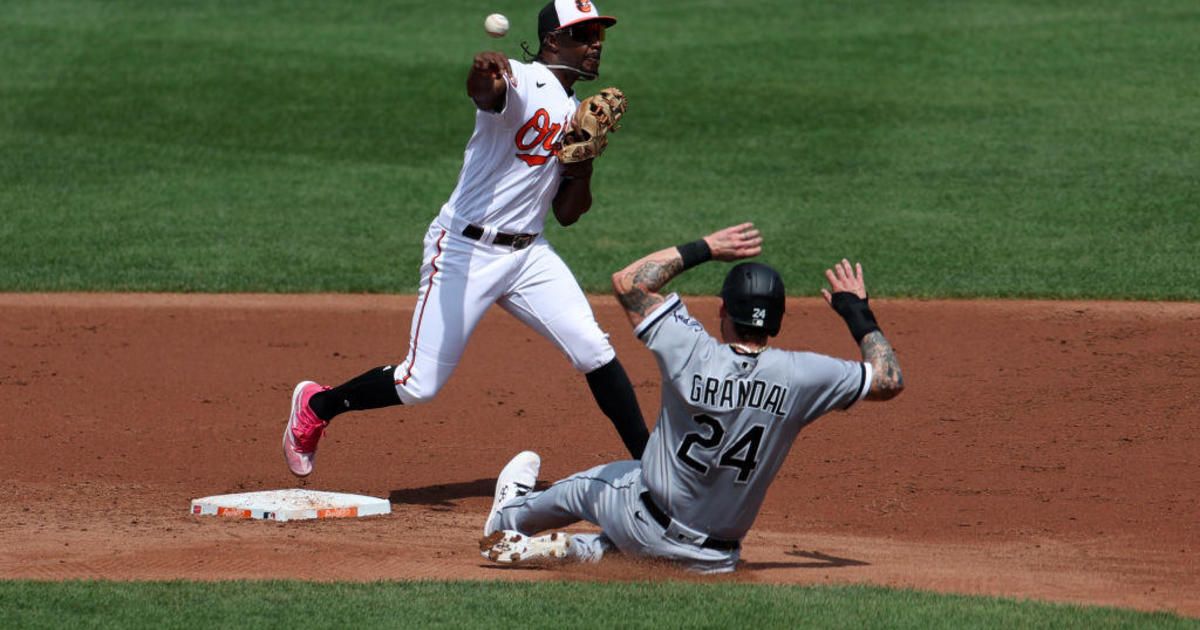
point(731, 410)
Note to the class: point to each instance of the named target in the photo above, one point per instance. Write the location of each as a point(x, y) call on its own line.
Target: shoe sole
point(288, 439)
point(510, 547)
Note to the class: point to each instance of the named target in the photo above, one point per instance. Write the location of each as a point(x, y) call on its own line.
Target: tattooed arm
point(849, 299)
point(637, 285)
point(888, 382)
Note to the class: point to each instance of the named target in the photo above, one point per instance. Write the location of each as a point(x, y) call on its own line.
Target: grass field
point(285, 605)
point(973, 148)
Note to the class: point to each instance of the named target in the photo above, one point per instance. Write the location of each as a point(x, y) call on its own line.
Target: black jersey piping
point(657, 316)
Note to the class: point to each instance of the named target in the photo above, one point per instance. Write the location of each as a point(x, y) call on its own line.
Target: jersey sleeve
point(672, 335)
point(514, 97)
point(827, 383)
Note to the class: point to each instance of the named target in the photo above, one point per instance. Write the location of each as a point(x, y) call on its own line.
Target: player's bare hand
point(843, 277)
point(735, 242)
point(495, 65)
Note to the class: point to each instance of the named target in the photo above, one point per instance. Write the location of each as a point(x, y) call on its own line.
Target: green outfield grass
point(972, 148)
point(288, 605)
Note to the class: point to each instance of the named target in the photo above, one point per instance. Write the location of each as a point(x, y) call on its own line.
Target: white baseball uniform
point(486, 246)
point(726, 425)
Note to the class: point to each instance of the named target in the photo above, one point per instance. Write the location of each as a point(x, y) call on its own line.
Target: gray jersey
point(728, 420)
point(726, 424)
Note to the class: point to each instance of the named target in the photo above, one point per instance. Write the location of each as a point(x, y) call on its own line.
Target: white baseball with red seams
point(508, 180)
point(496, 25)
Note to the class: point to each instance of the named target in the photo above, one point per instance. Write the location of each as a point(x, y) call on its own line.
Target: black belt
point(662, 519)
point(515, 241)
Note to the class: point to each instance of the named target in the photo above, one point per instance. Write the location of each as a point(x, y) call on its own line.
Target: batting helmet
point(753, 296)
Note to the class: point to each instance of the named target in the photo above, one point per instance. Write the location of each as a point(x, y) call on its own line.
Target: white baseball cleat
point(516, 479)
point(507, 546)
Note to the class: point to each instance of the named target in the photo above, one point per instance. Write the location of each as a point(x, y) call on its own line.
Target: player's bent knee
point(587, 367)
point(596, 358)
point(417, 392)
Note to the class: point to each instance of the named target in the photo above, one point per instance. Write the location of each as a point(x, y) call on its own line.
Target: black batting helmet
point(753, 296)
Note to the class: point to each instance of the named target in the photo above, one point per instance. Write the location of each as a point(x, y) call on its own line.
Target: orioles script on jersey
point(538, 131)
point(735, 393)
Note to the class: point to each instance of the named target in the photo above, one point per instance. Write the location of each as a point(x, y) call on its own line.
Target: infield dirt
point(1045, 450)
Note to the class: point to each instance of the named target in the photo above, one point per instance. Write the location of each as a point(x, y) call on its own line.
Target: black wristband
point(856, 312)
point(694, 253)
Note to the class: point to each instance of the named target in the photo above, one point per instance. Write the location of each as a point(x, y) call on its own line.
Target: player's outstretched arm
point(849, 299)
point(487, 82)
point(637, 285)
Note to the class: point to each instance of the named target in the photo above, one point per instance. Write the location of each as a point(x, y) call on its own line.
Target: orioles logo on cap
point(584, 6)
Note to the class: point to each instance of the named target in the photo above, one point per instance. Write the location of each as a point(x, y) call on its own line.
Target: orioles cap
point(562, 13)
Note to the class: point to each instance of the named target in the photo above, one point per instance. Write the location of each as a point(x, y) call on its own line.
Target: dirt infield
point(1043, 449)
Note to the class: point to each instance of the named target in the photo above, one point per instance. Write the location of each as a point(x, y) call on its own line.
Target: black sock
point(614, 393)
point(373, 389)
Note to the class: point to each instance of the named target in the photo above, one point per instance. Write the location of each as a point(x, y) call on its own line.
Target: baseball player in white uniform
point(731, 409)
point(486, 245)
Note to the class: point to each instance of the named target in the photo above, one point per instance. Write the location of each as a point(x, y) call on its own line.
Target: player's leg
point(448, 309)
point(600, 495)
point(459, 281)
point(372, 389)
point(591, 547)
point(614, 395)
point(609, 496)
point(313, 406)
point(443, 319)
point(546, 297)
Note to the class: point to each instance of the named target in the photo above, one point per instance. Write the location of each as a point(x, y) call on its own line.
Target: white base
point(291, 505)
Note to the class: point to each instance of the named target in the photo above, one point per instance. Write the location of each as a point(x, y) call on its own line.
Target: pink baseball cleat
point(304, 429)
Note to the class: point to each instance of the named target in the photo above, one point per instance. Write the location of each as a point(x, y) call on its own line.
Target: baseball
point(496, 25)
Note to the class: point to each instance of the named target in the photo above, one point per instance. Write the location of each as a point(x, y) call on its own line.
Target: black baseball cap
point(562, 13)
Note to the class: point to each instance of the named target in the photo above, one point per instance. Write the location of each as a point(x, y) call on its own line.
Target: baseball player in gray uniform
point(731, 409)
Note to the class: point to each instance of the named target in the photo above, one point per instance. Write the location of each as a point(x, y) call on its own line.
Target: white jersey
point(508, 180)
point(728, 419)
point(510, 174)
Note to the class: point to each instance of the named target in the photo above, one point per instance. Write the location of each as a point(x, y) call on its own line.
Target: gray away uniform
point(726, 425)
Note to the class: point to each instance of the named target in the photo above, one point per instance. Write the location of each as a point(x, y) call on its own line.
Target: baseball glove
point(595, 118)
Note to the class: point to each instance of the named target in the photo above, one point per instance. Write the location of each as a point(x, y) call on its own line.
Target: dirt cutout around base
point(1043, 450)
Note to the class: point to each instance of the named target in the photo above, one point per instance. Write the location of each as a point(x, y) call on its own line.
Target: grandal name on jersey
point(736, 393)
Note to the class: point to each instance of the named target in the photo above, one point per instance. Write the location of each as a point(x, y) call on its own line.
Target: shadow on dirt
point(820, 561)
point(444, 494)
